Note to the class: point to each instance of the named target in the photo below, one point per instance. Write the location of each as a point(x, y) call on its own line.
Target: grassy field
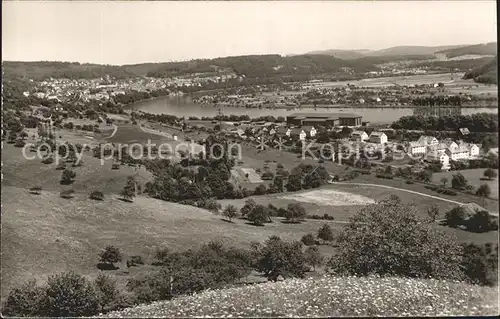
point(23, 173)
point(474, 176)
point(328, 296)
point(45, 234)
point(490, 204)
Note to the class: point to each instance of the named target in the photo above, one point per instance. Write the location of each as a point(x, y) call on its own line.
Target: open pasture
point(474, 177)
point(46, 234)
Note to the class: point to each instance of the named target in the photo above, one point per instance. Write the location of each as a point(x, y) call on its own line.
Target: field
point(329, 197)
point(456, 84)
point(92, 175)
point(45, 234)
point(328, 296)
point(473, 176)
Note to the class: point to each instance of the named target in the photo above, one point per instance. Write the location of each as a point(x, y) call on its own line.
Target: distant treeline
point(479, 122)
point(251, 66)
point(486, 73)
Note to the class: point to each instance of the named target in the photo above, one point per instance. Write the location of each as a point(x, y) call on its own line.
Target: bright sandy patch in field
point(328, 197)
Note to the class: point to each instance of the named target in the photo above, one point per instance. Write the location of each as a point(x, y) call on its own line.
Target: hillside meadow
point(328, 296)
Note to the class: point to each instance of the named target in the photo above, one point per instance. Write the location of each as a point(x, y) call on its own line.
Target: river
point(184, 106)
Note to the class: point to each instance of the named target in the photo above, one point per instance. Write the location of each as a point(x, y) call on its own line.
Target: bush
point(308, 239)
point(481, 222)
point(212, 205)
point(480, 264)
point(295, 212)
point(325, 233)
point(110, 255)
point(136, 260)
point(19, 143)
point(48, 160)
point(483, 191)
point(25, 300)
point(67, 177)
point(96, 195)
point(260, 190)
point(37, 190)
point(67, 194)
point(449, 192)
point(455, 217)
point(279, 258)
point(69, 295)
point(388, 238)
point(107, 293)
point(313, 256)
point(259, 215)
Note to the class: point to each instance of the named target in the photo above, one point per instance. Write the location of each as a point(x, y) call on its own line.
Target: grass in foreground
point(330, 296)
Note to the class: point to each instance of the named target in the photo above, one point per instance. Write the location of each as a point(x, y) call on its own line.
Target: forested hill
point(487, 73)
point(478, 49)
point(251, 66)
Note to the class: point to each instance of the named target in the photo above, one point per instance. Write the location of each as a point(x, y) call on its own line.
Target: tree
point(295, 212)
point(433, 212)
point(308, 239)
point(325, 233)
point(25, 300)
point(481, 222)
point(107, 292)
point(69, 295)
point(230, 212)
point(281, 258)
point(248, 207)
point(213, 205)
point(260, 190)
point(387, 238)
point(110, 255)
point(444, 181)
point(313, 256)
point(161, 254)
point(490, 173)
point(484, 190)
point(455, 217)
point(129, 190)
point(67, 177)
point(480, 263)
point(458, 181)
point(259, 215)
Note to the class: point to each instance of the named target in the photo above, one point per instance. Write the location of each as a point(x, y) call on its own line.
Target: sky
point(115, 32)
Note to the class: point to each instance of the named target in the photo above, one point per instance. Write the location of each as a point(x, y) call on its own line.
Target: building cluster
point(105, 88)
point(443, 151)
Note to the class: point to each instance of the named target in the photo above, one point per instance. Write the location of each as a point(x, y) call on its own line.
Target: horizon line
point(312, 52)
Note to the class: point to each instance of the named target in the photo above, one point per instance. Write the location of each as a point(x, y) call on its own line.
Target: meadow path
point(408, 191)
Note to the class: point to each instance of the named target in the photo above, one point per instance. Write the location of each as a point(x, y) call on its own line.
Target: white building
point(302, 135)
point(359, 135)
point(459, 153)
point(439, 147)
point(442, 157)
point(450, 143)
point(378, 138)
point(473, 150)
point(309, 130)
point(415, 148)
point(428, 140)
